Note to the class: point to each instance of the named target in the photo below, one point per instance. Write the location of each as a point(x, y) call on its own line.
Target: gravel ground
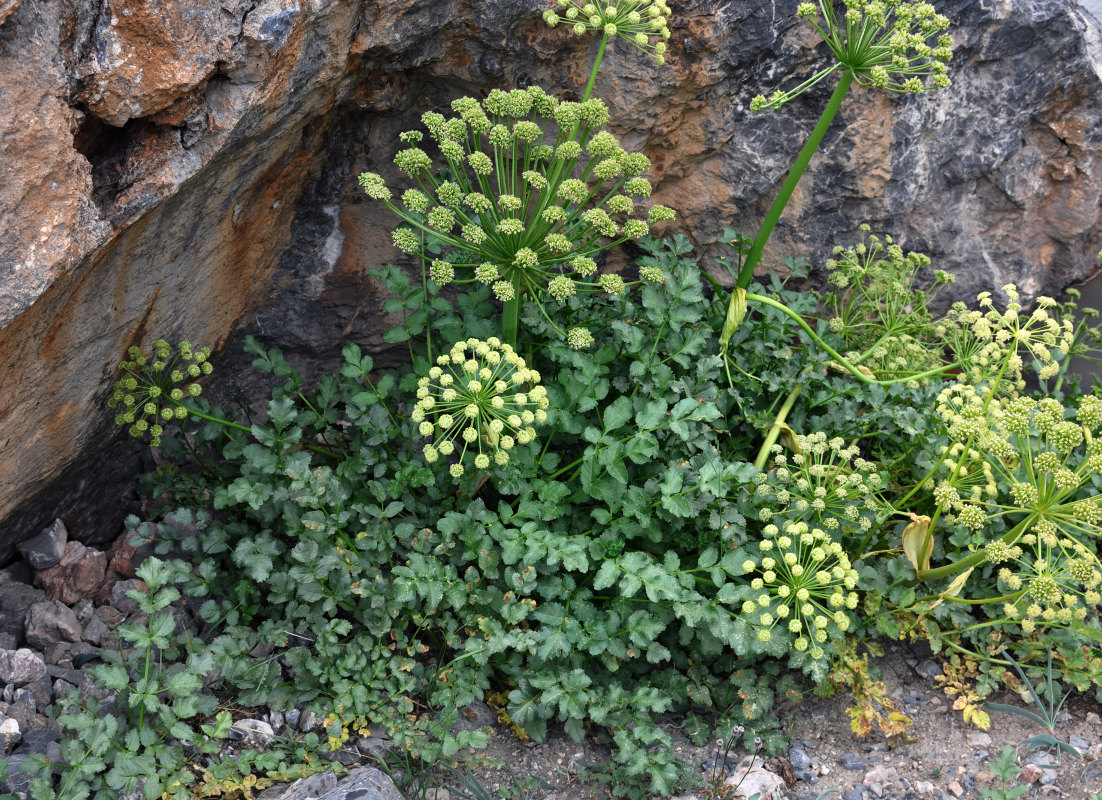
point(941, 758)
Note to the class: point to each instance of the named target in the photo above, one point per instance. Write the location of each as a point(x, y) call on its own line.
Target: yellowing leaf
point(954, 587)
point(788, 439)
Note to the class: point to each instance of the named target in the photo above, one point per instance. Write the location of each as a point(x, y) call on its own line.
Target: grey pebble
point(1079, 743)
point(852, 794)
point(852, 762)
point(805, 775)
point(346, 757)
point(798, 758)
point(303, 789)
point(928, 669)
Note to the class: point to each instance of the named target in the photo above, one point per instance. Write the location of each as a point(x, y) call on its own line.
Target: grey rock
point(978, 739)
point(1079, 743)
point(805, 775)
point(58, 653)
point(275, 719)
point(344, 755)
point(23, 709)
point(119, 599)
point(292, 716)
point(85, 609)
point(365, 783)
point(37, 740)
point(18, 782)
point(18, 597)
point(61, 688)
point(49, 622)
point(20, 667)
point(374, 745)
point(73, 676)
point(981, 756)
point(41, 691)
point(928, 669)
point(47, 548)
point(476, 715)
point(110, 615)
point(307, 788)
point(853, 762)
point(11, 628)
point(853, 794)
point(96, 632)
point(307, 720)
point(798, 758)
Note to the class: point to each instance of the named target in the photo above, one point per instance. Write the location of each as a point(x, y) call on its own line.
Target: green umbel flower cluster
point(889, 44)
point(644, 23)
point(825, 481)
point(1049, 459)
point(803, 583)
point(149, 391)
point(1054, 579)
point(877, 306)
point(479, 399)
point(982, 340)
point(536, 189)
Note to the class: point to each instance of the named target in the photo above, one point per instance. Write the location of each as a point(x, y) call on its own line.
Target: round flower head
point(475, 402)
point(534, 238)
point(643, 23)
point(1054, 579)
point(825, 482)
point(888, 45)
point(149, 388)
point(808, 580)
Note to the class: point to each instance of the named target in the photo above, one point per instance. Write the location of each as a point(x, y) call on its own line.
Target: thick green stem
point(775, 430)
point(746, 274)
point(596, 67)
point(510, 319)
point(789, 185)
point(970, 561)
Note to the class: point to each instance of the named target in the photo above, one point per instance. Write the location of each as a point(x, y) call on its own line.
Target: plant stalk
point(802, 160)
point(775, 430)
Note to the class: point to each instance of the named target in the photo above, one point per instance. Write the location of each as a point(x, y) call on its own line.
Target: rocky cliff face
point(187, 168)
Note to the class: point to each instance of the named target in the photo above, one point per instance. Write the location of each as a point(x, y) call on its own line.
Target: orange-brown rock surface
point(186, 168)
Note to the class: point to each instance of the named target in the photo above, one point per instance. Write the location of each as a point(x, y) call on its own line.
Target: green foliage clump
point(584, 511)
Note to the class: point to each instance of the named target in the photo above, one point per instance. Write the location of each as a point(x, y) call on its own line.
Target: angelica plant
point(877, 306)
point(643, 23)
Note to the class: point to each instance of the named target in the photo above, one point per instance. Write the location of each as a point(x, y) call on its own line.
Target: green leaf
point(617, 414)
point(652, 415)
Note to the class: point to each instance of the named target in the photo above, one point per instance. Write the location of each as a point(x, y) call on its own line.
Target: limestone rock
point(175, 168)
